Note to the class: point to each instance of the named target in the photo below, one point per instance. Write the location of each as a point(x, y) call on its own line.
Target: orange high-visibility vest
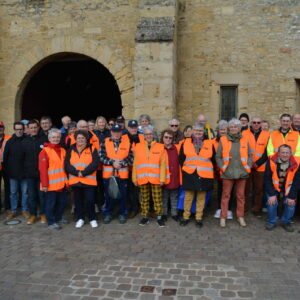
point(148, 166)
point(215, 144)
point(288, 180)
point(80, 162)
point(57, 176)
point(5, 139)
point(94, 141)
point(258, 146)
point(200, 162)
point(121, 154)
point(226, 147)
point(290, 139)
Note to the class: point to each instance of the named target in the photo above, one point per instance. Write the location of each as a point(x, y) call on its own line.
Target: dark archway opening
point(70, 84)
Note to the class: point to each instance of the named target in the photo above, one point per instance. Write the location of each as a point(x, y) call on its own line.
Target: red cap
point(1, 124)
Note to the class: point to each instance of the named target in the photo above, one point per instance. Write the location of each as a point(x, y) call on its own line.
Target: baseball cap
point(120, 119)
point(24, 122)
point(1, 124)
point(116, 127)
point(132, 123)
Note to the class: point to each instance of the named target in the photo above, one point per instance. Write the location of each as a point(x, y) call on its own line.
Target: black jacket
point(13, 165)
point(102, 134)
point(32, 146)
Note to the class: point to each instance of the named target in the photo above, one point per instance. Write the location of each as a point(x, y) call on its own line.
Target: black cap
point(244, 115)
point(120, 119)
point(116, 127)
point(133, 123)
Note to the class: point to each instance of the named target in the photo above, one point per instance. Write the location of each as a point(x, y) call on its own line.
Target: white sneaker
point(217, 214)
point(229, 215)
point(223, 223)
point(94, 223)
point(79, 223)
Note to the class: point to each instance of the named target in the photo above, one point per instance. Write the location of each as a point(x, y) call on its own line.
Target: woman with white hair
point(53, 179)
point(235, 161)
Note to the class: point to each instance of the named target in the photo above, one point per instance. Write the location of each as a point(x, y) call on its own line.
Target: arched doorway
point(70, 84)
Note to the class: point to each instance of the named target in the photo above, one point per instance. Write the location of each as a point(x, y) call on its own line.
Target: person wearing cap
point(174, 126)
point(116, 156)
point(25, 123)
point(3, 139)
point(244, 119)
point(120, 120)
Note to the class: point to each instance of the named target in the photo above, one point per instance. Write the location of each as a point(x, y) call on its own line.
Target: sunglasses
point(168, 137)
point(256, 122)
point(111, 124)
point(174, 125)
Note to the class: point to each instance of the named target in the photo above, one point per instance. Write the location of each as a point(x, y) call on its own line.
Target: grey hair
point(235, 121)
point(78, 123)
point(198, 125)
point(54, 130)
point(222, 124)
point(174, 120)
point(149, 128)
point(144, 116)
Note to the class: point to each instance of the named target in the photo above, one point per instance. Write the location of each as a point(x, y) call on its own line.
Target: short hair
point(72, 124)
point(235, 122)
point(222, 124)
point(65, 117)
point(187, 127)
point(53, 131)
point(285, 116)
point(33, 121)
point(174, 120)
point(80, 121)
point(285, 146)
point(199, 125)
point(144, 116)
point(168, 131)
point(92, 121)
point(46, 118)
point(265, 121)
point(149, 128)
point(18, 123)
point(82, 132)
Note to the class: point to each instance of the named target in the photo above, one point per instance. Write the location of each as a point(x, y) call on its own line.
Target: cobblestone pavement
point(132, 262)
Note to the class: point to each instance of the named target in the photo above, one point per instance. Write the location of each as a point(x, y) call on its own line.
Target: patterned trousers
point(156, 191)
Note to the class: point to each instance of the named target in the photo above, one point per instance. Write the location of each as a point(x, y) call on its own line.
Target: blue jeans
point(288, 212)
point(109, 202)
point(85, 196)
point(55, 205)
point(14, 189)
point(34, 194)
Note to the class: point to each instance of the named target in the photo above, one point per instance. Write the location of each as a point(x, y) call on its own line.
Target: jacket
point(6, 137)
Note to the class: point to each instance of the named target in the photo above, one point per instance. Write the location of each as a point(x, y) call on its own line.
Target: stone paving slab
point(132, 262)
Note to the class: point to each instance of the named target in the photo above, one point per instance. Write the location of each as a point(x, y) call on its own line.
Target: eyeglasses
point(168, 137)
point(17, 129)
point(174, 125)
point(111, 124)
point(256, 122)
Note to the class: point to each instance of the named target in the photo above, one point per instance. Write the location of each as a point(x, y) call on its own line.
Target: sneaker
point(79, 223)
point(229, 215)
point(176, 218)
point(43, 219)
point(222, 223)
point(241, 221)
point(218, 214)
point(199, 224)
point(32, 220)
point(160, 222)
point(63, 222)
point(144, 221)
point(94, 224)
point(184, 222)
point(270, 226)
point(287, 227)
point(122, 219)
point(26, 214)
point(107, 219)
point(54, 226)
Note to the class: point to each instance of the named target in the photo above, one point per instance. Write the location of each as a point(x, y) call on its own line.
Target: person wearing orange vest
point(282, 179)
point(197, 172)
point(150, 173)
point(234, 158)
point(258, 140)
point(3, 139)
point(81, 163)
point(284, 135)
point(116, 156)
point(53, 179)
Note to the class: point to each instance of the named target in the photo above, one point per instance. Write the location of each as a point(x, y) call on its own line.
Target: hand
point(80, 174)
point(117, 165)
point(45, 189)
point(135, 183)
point(272, 200)
point(290, 202)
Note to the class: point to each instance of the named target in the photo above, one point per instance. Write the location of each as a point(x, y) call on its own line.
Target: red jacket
point(174, 167)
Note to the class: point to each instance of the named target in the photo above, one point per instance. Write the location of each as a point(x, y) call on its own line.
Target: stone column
point(154, 66)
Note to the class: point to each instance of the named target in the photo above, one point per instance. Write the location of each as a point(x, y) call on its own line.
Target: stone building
point(165, 58)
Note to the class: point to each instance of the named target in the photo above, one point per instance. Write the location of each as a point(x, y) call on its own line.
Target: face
point(223, 131)
point(144, 122)
point(256, 124)
point(234, 129)
point(82, 125)
point(110, 124)
point(66, 121)
point(54, 138)
point(132, 130)
point(198, 132)
point(19, 130)
point(188, 132)
point(91, 125)
point(81, 140)
point(285, 123)
point(149, 137)
point(284, 154)
point(265, 126)
point(174, 126)
point(202, 119)
point(72, 130)
point(33, 129)
point(101, 124)
point(1, 130)
point(122, 124)
point(244, 121)
point(116, 135)
point(167, 139)
point(46, 125)
point(296, 120)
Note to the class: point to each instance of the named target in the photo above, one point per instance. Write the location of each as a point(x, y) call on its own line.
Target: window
point(228, 105)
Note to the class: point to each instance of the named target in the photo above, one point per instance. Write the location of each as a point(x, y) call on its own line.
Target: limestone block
point(92, 30)
point(227, 10)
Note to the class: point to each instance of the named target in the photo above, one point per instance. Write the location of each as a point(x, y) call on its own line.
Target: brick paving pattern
point(132, 262)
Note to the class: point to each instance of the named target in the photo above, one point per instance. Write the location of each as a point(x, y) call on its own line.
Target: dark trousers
point(85, 196)
point(100, 191)
point(55, 205)
point(109, 202)
point(133, 196)
point(35, 195)
point(6, 191)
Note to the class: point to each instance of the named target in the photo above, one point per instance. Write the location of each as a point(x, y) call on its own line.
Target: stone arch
point(27, 64)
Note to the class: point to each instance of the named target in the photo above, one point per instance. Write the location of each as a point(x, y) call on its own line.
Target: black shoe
point(287, 227)
point(184, 222)
point(144, 222)
point(164, 218)
point(199, 223)
point(161, 222)
point(176, 218)
point(270, 226)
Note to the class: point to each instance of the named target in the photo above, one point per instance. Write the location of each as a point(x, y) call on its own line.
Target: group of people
point(154, 175)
